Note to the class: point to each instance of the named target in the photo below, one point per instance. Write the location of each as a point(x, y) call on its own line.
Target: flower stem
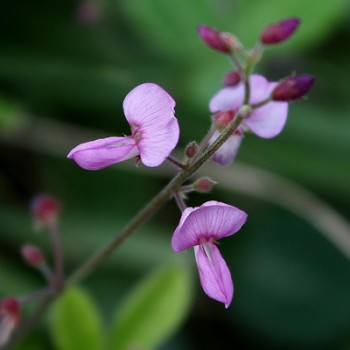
point(180, 200)
point(176, 162)
point(58, 279)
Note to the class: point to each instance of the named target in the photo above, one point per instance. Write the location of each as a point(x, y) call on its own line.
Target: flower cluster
point(262, 107)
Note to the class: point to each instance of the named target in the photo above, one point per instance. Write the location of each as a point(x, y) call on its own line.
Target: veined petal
point(98, 154)
point(148, 105)
point(227, 152)
point(268, 120)
point(157, 141)
point(229, 98)
point(214, 274)
point(212, 220)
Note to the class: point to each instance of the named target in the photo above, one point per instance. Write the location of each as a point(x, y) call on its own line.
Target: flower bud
point(279, 31)
point(204, 185)
point(32, 255)
point(220, 41)
point(293, 88)
point(232, 78)
point(45, 210)
point(222, 119)
point(9, 318)
point(191, 149)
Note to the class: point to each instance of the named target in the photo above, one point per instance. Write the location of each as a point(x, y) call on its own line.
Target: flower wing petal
point(268, 120)
point(214, 274)
point(98, 154)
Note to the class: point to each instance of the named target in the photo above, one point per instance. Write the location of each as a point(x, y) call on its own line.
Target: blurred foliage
point(61, 63)
point(75, 322)
point(153, 311)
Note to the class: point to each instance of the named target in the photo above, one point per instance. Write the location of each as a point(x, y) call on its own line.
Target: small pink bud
point(45, 210)
point(9, 318)
point(191, 149)
point(32, 255)
point(279, 31)
point(220, 41)
point(232, 78)
point(293, 88)
point(222, 119)
point(204, 185)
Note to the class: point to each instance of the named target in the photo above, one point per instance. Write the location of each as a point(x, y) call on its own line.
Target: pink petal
point(147, 105)
point(268, 120)
point(157, 141)
point(150, 111)
point(98, 154)
point(229, 98)
point(227, 152)
point(212, 220)
point(260, 88)
point(214, 274)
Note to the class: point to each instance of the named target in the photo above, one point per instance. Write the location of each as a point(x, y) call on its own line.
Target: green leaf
point(75, 322)
point(154, 311)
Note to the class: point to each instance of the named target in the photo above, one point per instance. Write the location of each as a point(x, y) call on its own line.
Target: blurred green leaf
point(9, 114)
point(75, 322)
point(154, 310)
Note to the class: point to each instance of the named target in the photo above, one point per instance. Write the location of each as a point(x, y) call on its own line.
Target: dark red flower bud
point(191, 149)
point(222, 119)
point(232, 78)
point(279, 31)
point(293, 88)
point(223, 42)
point(32, 255)
point(45, 210)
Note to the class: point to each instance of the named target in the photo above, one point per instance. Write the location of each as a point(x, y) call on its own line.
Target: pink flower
point(266, 121)
point(155, 132)
point(200, 228)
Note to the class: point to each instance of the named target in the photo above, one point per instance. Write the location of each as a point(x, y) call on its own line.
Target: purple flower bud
point(223, 42)
point(32, 255)
point(293, 88)
point(232, 78)
point(279, 31)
